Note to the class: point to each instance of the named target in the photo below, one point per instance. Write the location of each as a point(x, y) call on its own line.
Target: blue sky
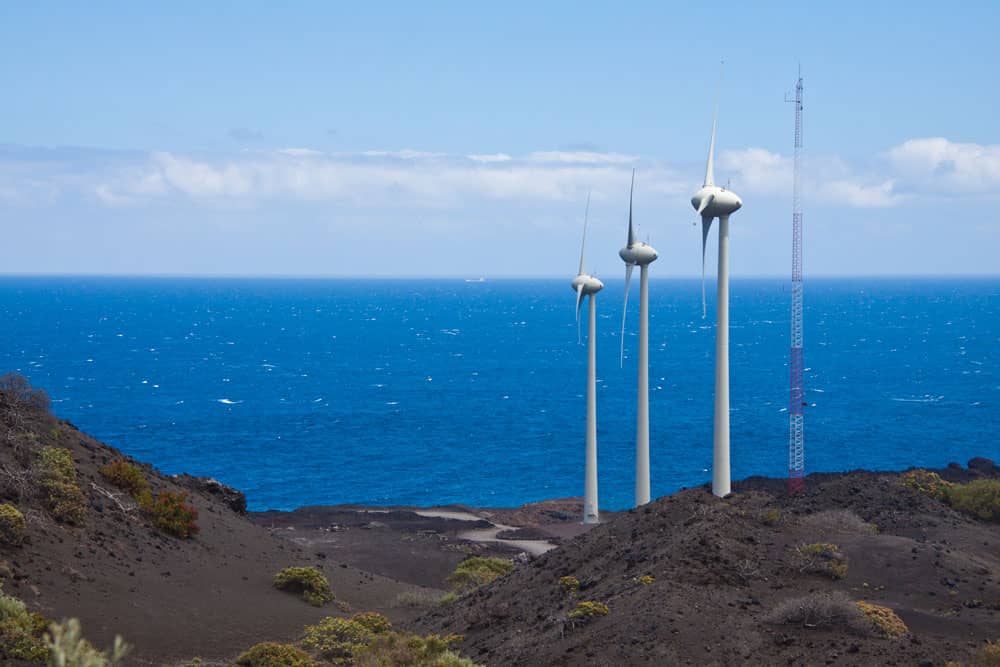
point(462, 139)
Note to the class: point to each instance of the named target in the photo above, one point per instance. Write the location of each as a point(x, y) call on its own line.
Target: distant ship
point(480, 279)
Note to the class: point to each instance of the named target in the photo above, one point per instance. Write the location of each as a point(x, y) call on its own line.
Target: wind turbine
point(636, 253)
point(587, 285)
point(711, 202)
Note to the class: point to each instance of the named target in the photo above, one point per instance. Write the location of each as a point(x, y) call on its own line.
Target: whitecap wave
point(226, 401)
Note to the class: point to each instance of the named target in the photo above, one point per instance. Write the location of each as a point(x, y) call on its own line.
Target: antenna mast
point(796, 398)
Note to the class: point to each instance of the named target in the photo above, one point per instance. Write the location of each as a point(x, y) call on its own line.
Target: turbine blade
point(705, 203)
point(710, 167)
point(706, 224)
point(583, 244)
point(628, 280)
point(579, 300)
point(631, 231)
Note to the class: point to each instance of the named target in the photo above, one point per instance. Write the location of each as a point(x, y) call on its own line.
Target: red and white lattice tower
point(796, 398)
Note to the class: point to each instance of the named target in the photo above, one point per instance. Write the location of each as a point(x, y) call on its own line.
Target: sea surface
point(303, 392)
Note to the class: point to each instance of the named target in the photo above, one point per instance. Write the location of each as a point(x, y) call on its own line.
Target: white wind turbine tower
point(587, 285)
point(636, 253)
point(712, 201)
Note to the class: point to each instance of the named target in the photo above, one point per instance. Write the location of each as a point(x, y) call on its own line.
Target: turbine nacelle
point(586, 285)
point(711, 201)
point(638, 254)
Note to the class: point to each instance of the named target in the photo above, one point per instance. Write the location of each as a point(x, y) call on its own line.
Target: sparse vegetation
point(887, 623)
point(129, 478)
point(12, 525)
point(838, 521)
point(416, 599)
point(57, 480)
point(272, 654)
point(926, 482)
point(821, 610)
point(394, 649)
point(987, 656)
point(172, 514)
point(309, 581)
point(21, 632)
point(771, 516)
point(569, 584)
point(478, 571)
point(339, 639)
point(980, 498)
point(585, 611)
point(646, 580)
point(447, 598)
point(69, 649)
point(820, 558)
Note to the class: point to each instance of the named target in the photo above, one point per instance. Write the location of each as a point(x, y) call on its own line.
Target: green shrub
point(70, 649)
point(447, 598)
point(771, 517)
point(587, 610)
point(21, 632)
point(173, 515)
point(12, 525)
point(887, 623)
point(126, 477)
point(373, 621)
point(57, 479)
point(820, 558)
point(926, 482)
point(394, 649)
point(271, 654)
point(478, 571)
point(980, 498)
point(646, 580)
point(339, 639)
point(308, 581)
point(569, 584)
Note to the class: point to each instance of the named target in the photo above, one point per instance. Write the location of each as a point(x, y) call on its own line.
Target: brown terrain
point(718, 569)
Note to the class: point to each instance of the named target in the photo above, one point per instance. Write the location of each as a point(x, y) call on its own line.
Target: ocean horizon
point(384, 391)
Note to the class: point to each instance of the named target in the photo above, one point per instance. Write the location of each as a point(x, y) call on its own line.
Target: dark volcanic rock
point(985, 466)
point(227, 495)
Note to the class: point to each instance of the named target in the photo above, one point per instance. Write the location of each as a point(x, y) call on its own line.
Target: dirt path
point(489, 535)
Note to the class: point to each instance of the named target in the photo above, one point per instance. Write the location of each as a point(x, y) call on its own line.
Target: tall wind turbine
point(587, 285)
point(636, 253)
point(711, 202)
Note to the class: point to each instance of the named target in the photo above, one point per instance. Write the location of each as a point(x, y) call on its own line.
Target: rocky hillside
point(87, 549)
point(757, 578)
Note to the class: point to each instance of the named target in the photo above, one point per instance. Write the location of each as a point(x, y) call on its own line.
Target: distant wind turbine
point(712, 201)
point(636, 253)
point(587, 285)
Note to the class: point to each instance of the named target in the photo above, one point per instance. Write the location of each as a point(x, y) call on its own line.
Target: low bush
point(646, 580)
point(308, 581)
point(926, 482)
point(12, 525)
point(585, 611)
point(394, 649)
point(57, 480)
point(21, 633)
point(820, 558)
point(272, 654)
point(818, 610)
point(373, 622)
point(987, 656)
point(980, 498)
point(447, 598)
point(838, 521)
point(771, 516)
point(887, 623)
point(171, 514)
point(69, 649)
point(126, 477)
point(569, 584)
point(478, 571)
point(340, 639)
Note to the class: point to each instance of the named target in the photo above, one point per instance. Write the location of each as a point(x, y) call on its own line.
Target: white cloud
point(405, 154)
point(299, 152)
point(939, 165)
point(494, 157)
point(582, 157)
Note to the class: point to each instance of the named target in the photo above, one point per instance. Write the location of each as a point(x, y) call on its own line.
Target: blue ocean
point(424, 392)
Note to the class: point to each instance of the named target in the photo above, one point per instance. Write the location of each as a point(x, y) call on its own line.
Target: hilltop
point(694, 579)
